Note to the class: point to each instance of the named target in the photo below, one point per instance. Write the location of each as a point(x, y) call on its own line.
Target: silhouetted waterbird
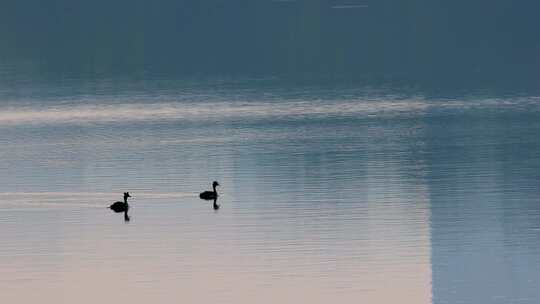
point(210, 195)
point(121, 206)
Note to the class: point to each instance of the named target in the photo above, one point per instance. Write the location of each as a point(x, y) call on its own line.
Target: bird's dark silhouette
point(121, 206)
point(210, 195)
point(216, 206)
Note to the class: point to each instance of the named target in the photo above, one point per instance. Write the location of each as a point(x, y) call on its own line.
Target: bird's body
point(210, 195)
point(121, 206)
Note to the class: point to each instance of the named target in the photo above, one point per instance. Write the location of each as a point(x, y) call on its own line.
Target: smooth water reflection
point(351, 197)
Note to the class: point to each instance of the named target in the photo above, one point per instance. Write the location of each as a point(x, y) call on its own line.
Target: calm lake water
point(339, 193)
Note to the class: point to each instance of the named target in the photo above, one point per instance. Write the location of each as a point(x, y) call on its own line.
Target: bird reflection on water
point(216, 206)
point(126, 217)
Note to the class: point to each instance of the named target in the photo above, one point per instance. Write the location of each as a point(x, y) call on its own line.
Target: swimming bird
point(210, 195)
point(121, 206)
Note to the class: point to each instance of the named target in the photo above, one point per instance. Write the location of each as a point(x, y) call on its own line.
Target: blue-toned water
point(341, 193)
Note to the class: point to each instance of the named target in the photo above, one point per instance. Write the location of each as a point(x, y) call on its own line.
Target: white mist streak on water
point(182, 111)
point(172, 111)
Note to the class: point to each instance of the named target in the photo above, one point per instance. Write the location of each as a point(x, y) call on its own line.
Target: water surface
point(349, 193)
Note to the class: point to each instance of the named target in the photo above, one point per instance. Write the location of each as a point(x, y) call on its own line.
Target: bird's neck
point(215, 191)
point(125, 200)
